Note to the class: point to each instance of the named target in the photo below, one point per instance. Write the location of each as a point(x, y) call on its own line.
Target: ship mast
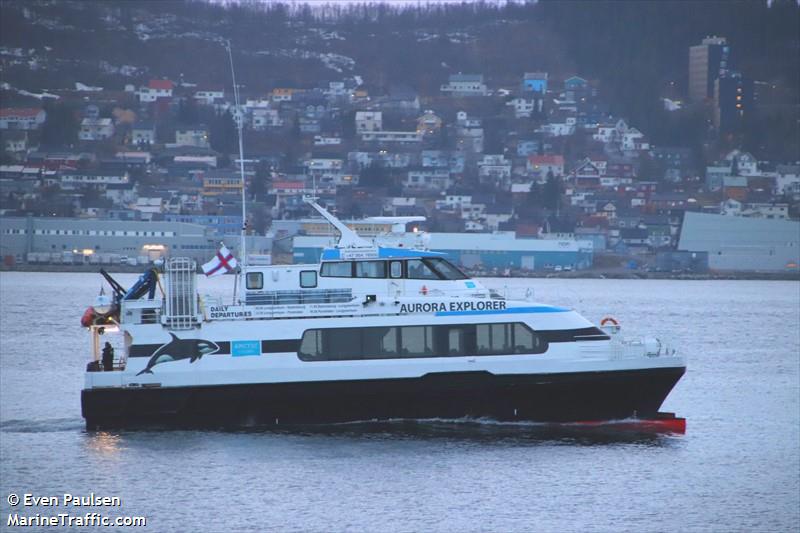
point(240, 123)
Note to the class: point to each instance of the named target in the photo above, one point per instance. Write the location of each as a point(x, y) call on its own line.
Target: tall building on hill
point(708, 61)
point(733, 101)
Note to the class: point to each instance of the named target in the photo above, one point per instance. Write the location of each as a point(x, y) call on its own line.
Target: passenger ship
point(369, 333)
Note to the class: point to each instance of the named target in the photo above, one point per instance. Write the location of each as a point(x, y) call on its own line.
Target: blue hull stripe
point(510, 311)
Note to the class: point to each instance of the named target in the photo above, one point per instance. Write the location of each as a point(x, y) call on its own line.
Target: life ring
point(609, 320)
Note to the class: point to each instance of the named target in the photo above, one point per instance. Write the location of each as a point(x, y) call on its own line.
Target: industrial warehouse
point(103, 242)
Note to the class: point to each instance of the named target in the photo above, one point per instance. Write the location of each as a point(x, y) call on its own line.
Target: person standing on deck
point(108, 357)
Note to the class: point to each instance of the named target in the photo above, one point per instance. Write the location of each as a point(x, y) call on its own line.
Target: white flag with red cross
point(222, 263)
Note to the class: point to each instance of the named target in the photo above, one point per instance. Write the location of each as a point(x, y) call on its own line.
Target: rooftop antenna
point(239, 123)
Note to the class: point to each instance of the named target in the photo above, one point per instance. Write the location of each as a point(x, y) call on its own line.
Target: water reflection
point(104, 444)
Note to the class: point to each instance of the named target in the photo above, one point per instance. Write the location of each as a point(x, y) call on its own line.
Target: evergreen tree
point(551, 195)
point(60, 128)
point(223, 133)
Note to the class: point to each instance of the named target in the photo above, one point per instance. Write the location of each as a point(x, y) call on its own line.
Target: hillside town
point(539, 176)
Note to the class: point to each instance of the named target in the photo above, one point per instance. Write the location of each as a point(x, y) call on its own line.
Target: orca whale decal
point(177, 349)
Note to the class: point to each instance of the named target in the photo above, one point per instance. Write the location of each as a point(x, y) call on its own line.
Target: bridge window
point(396, 269)
point(370, 269)
point(419, 270)
point(444, 268)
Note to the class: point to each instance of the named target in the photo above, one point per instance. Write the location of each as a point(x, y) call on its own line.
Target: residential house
point(742, 163)
point(209, 96)
point(465, 85)
point(149, 206)
point(495, 215)
point(262, 119)
point(633, 140)
point(528, 147)
point(429, 123)
point(14, 142)
point(715, 175)
point(735, 187)
point(196, 136)
point(16, 118)
point(525, 107)
point(559, 127)
point(391, 136)
point(673, 162)
point(98, 179)
point(220, 182)
point(541, 165)
point(495, 169)
point(96, 129)
point(535, 82)
point(367, 121)
point(154, 90)
point(576, 88)
point(428, 179)
point(143, 134)
point(327, 140)
point(283, 94)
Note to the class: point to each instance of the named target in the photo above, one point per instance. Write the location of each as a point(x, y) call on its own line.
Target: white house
point(746, 164)
point(15, 118)
point(96, 129)
point(559, 129)
point(465, 85)
point(154, 90)
point(525, 107)
point(436, 179)
point(369, 121)
point(633, 139)
point(209, 96)
point(262, 119)
point(192, 137)
point(143, 134)
point(495, 168)
point(391, 136)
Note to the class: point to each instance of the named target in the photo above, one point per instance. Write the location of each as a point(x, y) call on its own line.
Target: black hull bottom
point(570, 397)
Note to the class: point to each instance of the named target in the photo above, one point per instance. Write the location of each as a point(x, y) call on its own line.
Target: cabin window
point(255, 280)
point(370, 269)
point(416, 341)
point(398, 342)
point(338, 345)
point(311, 346)
point(337, 269)
point(419, 270)
point(396, 269)
point(308, 279)
point(379, 343)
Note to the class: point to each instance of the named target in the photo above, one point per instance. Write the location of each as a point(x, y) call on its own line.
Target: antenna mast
point(239, 124)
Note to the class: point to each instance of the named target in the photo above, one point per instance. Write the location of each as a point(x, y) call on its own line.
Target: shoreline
point(583, 274)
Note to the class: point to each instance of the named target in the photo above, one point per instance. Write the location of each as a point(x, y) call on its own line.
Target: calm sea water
point(736, 469)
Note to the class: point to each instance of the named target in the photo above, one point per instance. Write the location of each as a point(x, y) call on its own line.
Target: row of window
point(105, 233)
point(432, 268)
point(340, 344)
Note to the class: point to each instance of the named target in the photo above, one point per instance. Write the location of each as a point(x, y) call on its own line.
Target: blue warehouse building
point(481, 250)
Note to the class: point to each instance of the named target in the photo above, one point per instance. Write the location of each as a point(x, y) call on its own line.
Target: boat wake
point(45, 425)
